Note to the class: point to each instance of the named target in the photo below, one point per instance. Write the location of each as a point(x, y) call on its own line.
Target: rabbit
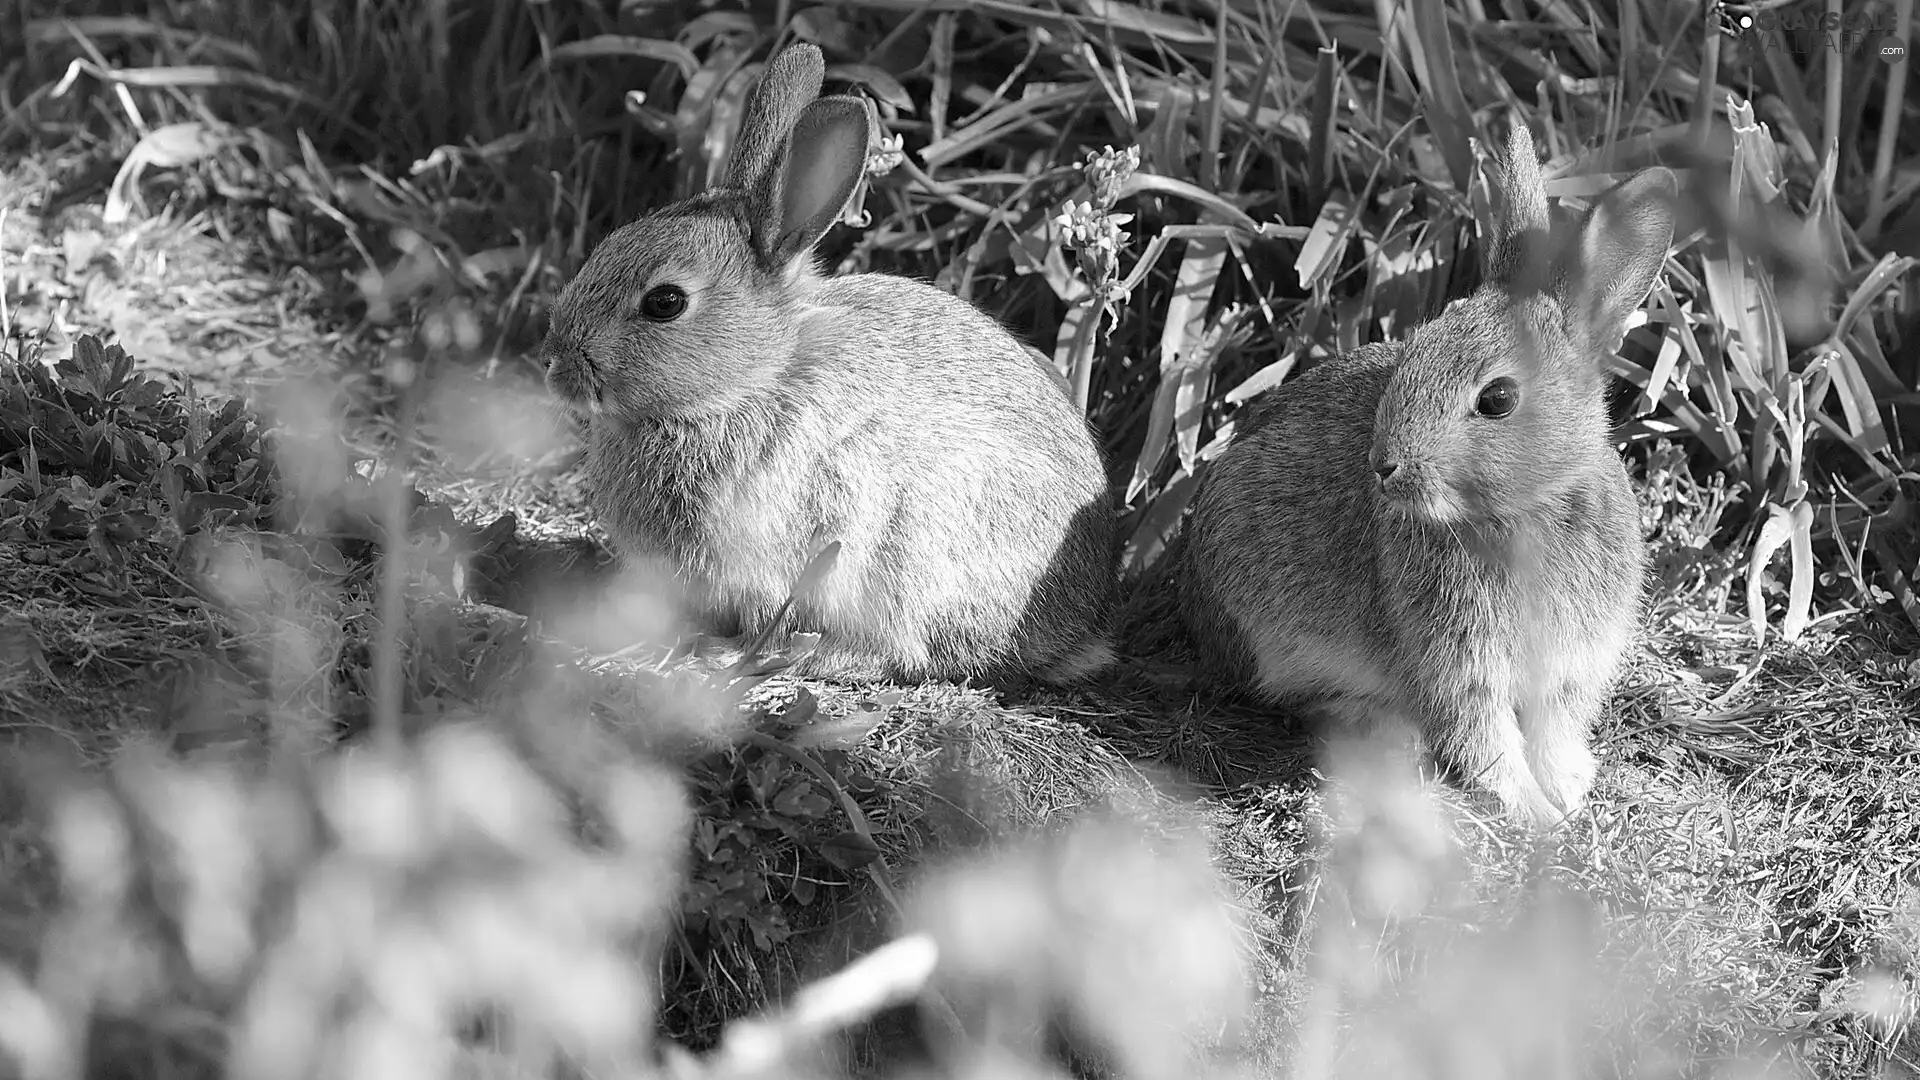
point(1438, 531)
point(743, 410)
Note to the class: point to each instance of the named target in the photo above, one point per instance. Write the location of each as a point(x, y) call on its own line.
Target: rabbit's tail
point(1085, 660)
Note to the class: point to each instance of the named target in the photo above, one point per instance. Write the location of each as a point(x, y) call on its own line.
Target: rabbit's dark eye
point(1498, 398)
point(663, 303)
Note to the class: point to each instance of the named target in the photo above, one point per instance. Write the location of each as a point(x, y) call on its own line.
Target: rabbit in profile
point(744, 411)
point(1439, 531)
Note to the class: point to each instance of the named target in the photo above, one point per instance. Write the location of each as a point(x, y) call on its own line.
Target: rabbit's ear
point(790, 82)
point(807, 190)
point(1519, 250)
point(1621, 250)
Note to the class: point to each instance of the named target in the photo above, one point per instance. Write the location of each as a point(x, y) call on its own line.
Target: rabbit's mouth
point(574, 383)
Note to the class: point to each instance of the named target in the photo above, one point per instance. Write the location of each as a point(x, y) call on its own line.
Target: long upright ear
point(1621, 248)
point(1519, 254)
point(790, 82)
point(804, 193)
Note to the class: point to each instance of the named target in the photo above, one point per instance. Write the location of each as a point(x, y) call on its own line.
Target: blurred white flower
point(375, 808)
point(95, 851)
point(477, 790)
point(34, 1043)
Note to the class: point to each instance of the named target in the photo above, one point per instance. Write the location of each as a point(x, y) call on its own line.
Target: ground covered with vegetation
point(336, 743)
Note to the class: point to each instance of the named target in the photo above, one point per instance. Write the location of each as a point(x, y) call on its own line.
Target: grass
point(1181, 203)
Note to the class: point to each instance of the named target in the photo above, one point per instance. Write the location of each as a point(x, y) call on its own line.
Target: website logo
point(1802, 29)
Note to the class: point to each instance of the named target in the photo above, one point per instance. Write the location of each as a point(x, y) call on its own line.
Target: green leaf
point(849, 851)
point(1655, 388)
point(1036, 250)
point(816, 571)
point(201, 503)
point(802, 889)
point(801, 802)
point(125, 528)
point(801, 711)
point(1727, 290)
point(841, 732)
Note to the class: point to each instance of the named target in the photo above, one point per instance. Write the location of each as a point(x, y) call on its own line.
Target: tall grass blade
point(1708, 83)
point(1446, 106)
point(1857, 401)
point(1161, 24)
point(1898, 575)
point(1835, 65)
point(1892, 105)
point(1005, 120)
point(1326, 74)
point(1184, 362)
point(1774, 535)
point(1150, 538)
point(1266, 378)
point(200, 77)
point(1216, 101)
point(1884, 275)
point(1218, 205)
point(627, 46)
point(1326, 242)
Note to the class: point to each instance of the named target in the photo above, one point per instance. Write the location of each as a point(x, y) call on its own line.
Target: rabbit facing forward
point(744, 411)
point(1439, 531)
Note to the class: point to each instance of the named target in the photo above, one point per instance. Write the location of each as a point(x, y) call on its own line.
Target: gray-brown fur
point(784, 410)
point(1487, 588)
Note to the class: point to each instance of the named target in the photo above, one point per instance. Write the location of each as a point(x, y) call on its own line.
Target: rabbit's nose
point(1386, 468)
point(557, 351)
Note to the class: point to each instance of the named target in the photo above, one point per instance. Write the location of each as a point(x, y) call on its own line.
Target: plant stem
point(388, 692)
point(1836, 65)
point(1703, 104)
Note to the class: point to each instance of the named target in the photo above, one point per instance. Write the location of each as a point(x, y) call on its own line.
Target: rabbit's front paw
point(1522, 796)
point(1565, 768)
